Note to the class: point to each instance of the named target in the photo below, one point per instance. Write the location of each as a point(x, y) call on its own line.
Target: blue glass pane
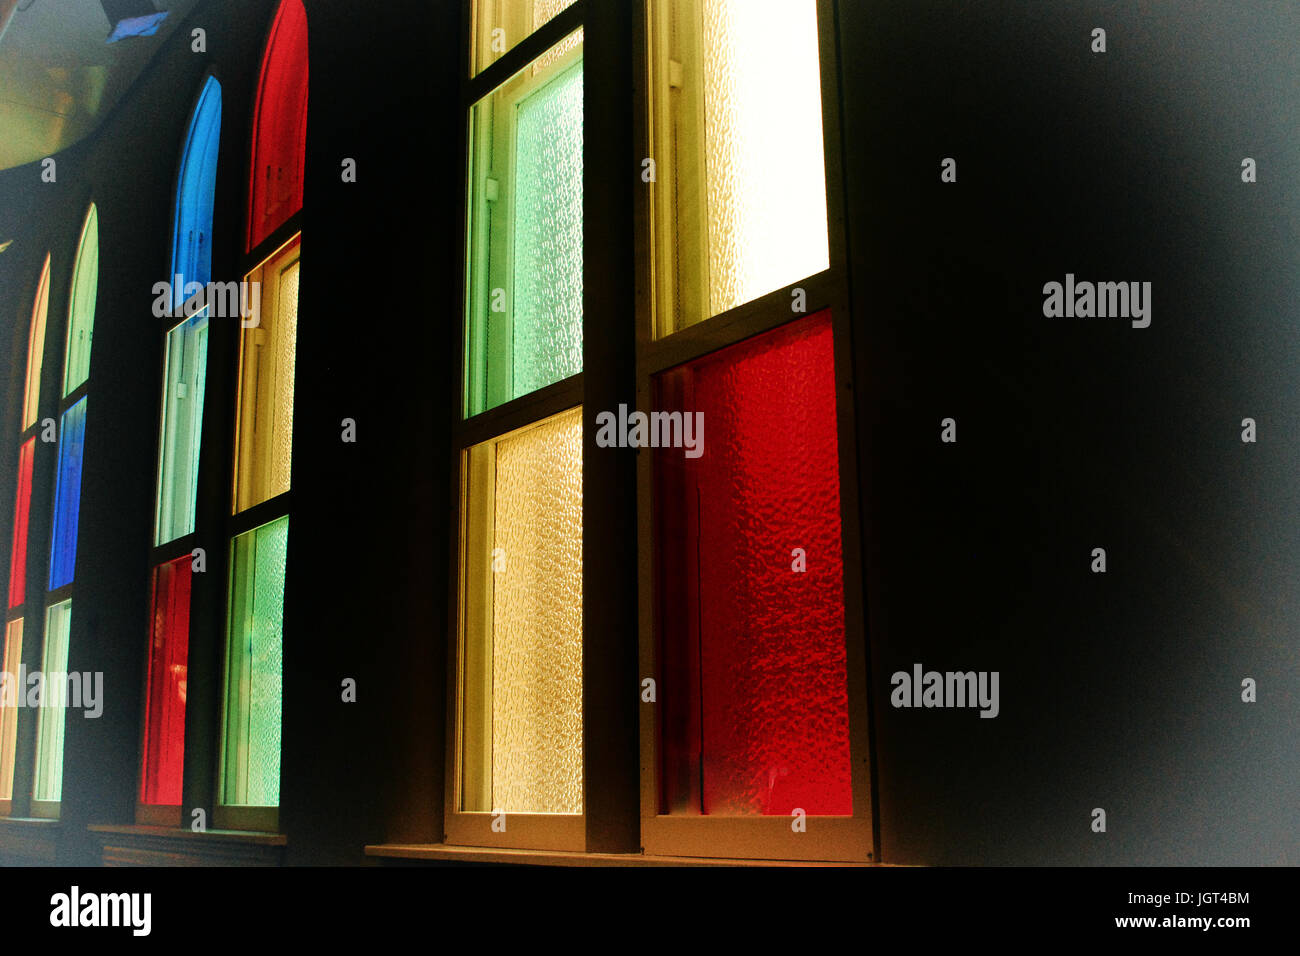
point(192, 231)
point(67, 495)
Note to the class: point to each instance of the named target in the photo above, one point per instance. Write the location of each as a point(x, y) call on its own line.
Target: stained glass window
point(753, 690)
point(36, 347)
point(499, 26)
point(279, 125)
point(81, 312)
point(185, 372)
point(51, 720)
point(524, 308)
point(67, 495)
point(195, 197)
point(264, 437)
point(9, 698)
point(164, 722)
point(741, 197)
point(250, 774)
point(22, 508)
point(522, 641)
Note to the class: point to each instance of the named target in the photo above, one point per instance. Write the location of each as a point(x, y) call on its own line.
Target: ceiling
point(58, 78)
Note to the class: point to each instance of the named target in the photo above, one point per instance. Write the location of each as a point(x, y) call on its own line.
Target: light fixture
point(131, 18)
point(6, 244)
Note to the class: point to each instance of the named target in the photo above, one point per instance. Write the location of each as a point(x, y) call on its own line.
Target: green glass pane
point(525, 232)
point(254, 656)
point(48, 784)
point(184, 376)
point(81, 313)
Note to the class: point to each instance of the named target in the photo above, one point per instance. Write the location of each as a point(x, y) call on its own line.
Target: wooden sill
point(441, 852)
point(144, 845)
point(250, 837)
point(28, 841)
point(30, 821)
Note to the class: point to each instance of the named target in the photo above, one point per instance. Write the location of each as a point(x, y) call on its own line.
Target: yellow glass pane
point(500, 25)
point(740, 197)
point(522, 640)
point(36, 347)
point(264, 435)
point(13, 653)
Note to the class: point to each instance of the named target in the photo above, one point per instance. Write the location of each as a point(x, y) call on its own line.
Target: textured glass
point(264, 446)
point(254, 658)
point(13, 655)
point(500, 25)
point(185, 373)
point(195, 194)
point(525, 256)
point(51, 719)
point(22, 510)
point(36, 347)
point(163, 758)
point(753, 692)
point(742, 137)
point(523, 639)
point(275, 189)
point(67, 495)
point(81, 312)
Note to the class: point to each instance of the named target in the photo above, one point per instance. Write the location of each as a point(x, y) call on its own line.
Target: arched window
point(192, 229)
point(36, 347)
point(258, 529)
point(185, 368)
point(81, 313)
point(22, 513)
point(72, 415)
point(47, 783)
point(279, 125)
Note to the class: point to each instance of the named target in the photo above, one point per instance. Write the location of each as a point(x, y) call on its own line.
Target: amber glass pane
point(499, 26)
point(264, 437)
point(36, 347)
point(13, 654)
point(522, 639)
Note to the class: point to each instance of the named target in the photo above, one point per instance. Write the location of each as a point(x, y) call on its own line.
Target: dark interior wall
point(1118, 691)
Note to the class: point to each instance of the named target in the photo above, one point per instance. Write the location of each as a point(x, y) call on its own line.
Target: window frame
point(524, 831)
point(827, 838)
point(489, 271)
point(235, 522)
point(176, 315)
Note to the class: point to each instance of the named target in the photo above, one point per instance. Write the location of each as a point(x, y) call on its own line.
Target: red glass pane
point(279, 125)
point(753, 694)
point(22, 505)
point(164, 722)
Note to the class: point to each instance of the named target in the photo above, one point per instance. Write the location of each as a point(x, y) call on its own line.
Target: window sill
point(143, 845)
point(442, 853)
point(28, 841)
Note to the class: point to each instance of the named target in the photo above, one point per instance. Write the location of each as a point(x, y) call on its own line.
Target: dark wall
point(1118, 690)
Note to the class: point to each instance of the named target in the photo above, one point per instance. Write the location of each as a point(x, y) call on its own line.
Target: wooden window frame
point(524, 831)
point(828, 838)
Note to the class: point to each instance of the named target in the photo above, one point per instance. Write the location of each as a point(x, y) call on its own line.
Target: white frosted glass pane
point(766, 183)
